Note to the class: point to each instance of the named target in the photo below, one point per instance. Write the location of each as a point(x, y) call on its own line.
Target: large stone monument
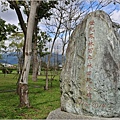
point(90, 79)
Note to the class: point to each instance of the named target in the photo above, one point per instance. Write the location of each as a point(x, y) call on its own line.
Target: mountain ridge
point(11, 58)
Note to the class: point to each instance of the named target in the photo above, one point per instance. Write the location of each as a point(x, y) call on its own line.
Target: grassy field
point(41, 101)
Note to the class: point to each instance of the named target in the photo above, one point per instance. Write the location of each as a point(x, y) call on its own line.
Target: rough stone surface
point(58, 114)
point(90, 79)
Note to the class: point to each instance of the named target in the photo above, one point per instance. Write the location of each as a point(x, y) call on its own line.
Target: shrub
point(7, 70)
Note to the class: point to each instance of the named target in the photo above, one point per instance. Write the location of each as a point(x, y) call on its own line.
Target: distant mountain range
point(55, 59)
point(11, 58)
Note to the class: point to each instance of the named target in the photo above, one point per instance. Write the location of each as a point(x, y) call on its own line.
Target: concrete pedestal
point(58, 114)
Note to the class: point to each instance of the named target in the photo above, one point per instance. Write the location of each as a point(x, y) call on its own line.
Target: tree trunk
point(35, 63)
point(49, 56)
point(23, 94)
point(63, 50)
point(39, 69)
point(47, 69)
point(48, 64)
point(23, 82)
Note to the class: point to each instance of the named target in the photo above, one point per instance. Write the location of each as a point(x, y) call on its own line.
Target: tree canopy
point(6, 29)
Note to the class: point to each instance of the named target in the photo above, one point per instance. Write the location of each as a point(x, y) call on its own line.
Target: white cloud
point(10, 15)
point(116, 16)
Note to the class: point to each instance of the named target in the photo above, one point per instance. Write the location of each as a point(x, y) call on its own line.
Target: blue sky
point(111, 9)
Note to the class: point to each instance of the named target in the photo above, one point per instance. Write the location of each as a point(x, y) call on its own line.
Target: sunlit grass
point(41, 101)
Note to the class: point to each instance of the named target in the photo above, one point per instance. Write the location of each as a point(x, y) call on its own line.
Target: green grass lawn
point(41, 101)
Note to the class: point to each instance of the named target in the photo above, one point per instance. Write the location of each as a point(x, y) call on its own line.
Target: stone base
point(58, 114)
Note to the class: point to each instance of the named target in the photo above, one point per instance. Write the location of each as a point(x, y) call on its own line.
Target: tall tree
point(41, 11)
point(23, 82)
point(63, 20)
point(15, 5)
point(43, 39)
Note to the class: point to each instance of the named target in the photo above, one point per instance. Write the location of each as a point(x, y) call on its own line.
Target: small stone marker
point(90, 79)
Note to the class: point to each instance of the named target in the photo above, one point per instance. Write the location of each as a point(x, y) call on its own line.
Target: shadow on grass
point(46, 102)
